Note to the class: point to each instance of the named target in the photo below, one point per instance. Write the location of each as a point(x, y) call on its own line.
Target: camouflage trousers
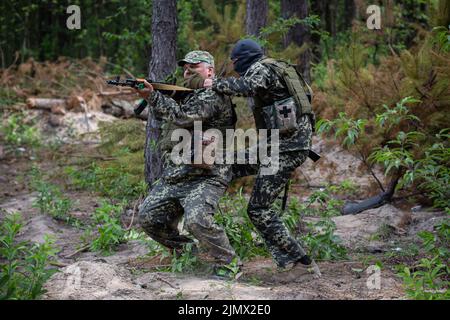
point(283, 247)
point(196, 201)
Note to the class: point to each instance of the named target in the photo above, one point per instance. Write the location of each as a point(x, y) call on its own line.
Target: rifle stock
point(175, 92)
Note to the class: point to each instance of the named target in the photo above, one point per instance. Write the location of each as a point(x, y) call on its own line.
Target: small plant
point(411, 156)
point(25, 266)
point(17, 132)
point(109, 229)
point(321, 241)
point(185, 260)
point(233, 217)
point(110, 181)
point(50, 199)
point(429, 280)
point(231, 270)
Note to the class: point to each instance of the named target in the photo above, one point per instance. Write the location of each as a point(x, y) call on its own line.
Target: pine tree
point(162, 64)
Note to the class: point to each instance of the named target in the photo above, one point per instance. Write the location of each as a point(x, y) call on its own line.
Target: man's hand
point(207, 83)
point(145, 93)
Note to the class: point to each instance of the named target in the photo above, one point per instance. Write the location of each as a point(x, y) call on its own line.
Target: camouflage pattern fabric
point(283, 247)
point(197, 56)
point(185, 191)
point(214, 110)
point(265, 87)
point(196, 201)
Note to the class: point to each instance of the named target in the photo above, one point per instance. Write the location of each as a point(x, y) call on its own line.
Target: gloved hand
point(195, 81)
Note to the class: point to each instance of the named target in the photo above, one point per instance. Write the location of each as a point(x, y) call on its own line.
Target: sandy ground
point(130, 274)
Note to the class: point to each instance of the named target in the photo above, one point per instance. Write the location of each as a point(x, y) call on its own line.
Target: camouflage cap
point(197, 56)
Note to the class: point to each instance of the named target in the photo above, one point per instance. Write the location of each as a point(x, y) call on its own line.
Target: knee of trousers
point(262, 218)
point(147, 216)
point(254, 211)
point(198, 224)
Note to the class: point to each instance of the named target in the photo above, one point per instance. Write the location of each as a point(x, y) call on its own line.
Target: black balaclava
point(247, 52)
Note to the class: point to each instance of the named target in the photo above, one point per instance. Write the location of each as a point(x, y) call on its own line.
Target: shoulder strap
point(294, 82)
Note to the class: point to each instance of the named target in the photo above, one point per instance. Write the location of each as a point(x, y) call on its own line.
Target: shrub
point(232, 216)
point(429, 280)
point(50, 199)
point(109, 229)
point(320, 239)
point(25, 266)
point(19, 132)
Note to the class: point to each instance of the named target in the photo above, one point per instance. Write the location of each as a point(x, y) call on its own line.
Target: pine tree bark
point(349, 13)
point(162, 63)
point(330, 16)
point(299, 34)
point(256, 16)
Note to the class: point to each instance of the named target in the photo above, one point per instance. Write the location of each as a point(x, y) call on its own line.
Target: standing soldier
point(186, 190)
point(280, 101)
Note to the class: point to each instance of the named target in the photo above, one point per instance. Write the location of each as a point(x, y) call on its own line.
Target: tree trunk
point(375, 201)
point(256, 16)
point(162, 63)
point(317, 8)
point(299, 34)
point(349, 13)
point(330, 17)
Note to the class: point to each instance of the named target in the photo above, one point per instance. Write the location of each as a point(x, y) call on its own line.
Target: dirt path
point(93, 276)
point(369, 237)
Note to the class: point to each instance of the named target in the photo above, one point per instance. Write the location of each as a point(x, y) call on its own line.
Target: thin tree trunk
point(256, 16)
point(330, 17)
point(349, 13)
point(299, 34)
point(162, 63)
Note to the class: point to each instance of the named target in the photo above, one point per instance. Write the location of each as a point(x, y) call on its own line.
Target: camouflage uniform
point(263, 84)
point(188, 191)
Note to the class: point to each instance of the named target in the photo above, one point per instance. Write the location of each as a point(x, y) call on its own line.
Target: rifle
point(175, 92)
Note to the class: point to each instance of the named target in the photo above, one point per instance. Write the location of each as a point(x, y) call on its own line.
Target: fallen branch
point(58, 264)
point(45, 103)
point(84, 248)
point(134, 212)
point(375, 201)
point(115, 93)
point(165, 281)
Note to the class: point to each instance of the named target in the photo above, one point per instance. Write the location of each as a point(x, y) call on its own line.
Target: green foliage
point(25, 266)
point(344, 127)
point(17, 131)
point(230, 270)
point(321, 241)
point(50, 199)
point(429, 279)
point(233, 217)
point(320, 238)
point(7, 97)
point(394, 116)
point(121, 176)
point(430, 171)
point(422, 158)
point(185, 260)
point(110, 181)
point(108, 228)
point(281, 27)
point(433, 171)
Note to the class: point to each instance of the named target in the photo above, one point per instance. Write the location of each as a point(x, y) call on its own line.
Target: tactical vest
point(298, 89)
point(294, 82)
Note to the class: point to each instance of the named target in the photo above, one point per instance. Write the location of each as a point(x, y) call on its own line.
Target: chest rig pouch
point(281, 115)
point(284, 114)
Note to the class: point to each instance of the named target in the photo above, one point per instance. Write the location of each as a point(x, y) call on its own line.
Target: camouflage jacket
point(265, 86)
point(212, 109)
